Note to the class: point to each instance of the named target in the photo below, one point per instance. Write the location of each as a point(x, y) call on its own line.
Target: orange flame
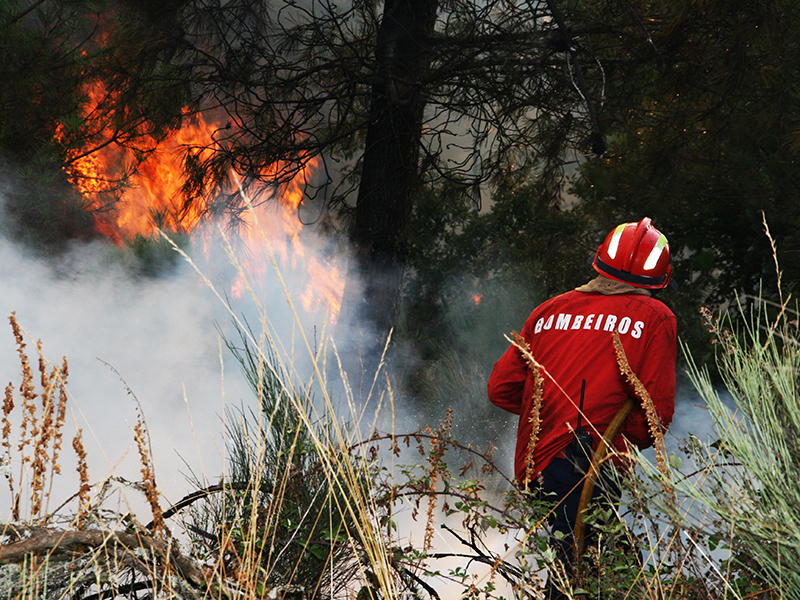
point(152, 194)
point(152, 197)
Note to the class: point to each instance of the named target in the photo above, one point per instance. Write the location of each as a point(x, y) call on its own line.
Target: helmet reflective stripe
point(655, 253)
point(614, 244)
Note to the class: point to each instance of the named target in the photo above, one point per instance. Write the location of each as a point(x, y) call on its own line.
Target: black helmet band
point(641, 280)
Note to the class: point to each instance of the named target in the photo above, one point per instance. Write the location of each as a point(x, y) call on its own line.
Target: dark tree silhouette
point(366, 102)
point(381, 99)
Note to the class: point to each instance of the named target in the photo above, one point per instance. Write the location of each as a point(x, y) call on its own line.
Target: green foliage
point(80, 76)
point(43, 54)
point(279, 521)
point(155, 256)
point(751, 477)
point(457, 491)
point(701, 122)
point(41, 64)
point(474, 276)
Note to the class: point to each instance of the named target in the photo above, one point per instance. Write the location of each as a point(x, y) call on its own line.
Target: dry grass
point(97, 554)
point(346, 475)
point(40, 431)
point(536, 405)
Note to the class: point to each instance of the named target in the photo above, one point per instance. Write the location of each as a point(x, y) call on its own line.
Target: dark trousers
point(563, 485)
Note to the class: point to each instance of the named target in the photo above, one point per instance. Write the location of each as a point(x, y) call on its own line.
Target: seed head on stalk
point(535, 418)
point(653, 421)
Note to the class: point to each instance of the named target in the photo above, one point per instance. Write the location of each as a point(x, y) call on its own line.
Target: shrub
point(744, 485)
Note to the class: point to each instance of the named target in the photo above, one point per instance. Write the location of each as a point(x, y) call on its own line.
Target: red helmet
point(636, 253)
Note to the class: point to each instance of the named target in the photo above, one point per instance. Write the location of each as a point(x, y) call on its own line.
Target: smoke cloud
point(159, 339)
point(153, 342)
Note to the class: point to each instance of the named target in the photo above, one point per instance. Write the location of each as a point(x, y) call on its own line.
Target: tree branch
point(45, 539)
point(14, 18)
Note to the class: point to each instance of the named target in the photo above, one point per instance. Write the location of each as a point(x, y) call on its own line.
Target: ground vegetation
point(311, 508)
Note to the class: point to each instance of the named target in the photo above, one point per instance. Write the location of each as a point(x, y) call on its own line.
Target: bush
point(313, 508)
point(747, 480)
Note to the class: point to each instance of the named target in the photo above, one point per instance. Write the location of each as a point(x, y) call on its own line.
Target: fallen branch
point(44, 539)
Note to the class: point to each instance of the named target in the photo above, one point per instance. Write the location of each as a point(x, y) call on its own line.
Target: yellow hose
point(591, 477)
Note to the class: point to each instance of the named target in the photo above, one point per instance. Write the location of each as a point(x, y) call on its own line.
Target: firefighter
point(571, 337)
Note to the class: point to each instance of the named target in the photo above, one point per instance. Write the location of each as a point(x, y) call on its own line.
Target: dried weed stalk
point(48, 441)
point(40, 429)
point(27, 393)
point(721, 336)
point(653, 421)
point(83, 474)
point(148, 476)
point(535, 418)
point(438, 445)
point(8, 407)
point(142, 439)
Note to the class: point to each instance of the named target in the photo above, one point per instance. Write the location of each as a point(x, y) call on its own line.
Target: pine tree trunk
point(390, 164)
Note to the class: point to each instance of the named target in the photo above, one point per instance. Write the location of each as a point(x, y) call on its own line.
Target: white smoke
point(156, 338)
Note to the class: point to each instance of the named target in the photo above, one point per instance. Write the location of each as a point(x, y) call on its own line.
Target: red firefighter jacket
point(571, 337)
